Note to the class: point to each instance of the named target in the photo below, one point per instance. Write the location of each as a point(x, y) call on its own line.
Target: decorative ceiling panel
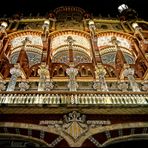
point(106, 41)
point(78, 40)
point(18, 41)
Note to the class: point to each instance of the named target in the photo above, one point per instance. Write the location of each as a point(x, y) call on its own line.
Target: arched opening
point(20, 141)
point(138, 143)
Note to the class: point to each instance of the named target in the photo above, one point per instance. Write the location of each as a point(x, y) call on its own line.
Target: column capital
point(128, 71)
point(43, 70)
point(16, 70)
point(100, 70)
point(72, 71)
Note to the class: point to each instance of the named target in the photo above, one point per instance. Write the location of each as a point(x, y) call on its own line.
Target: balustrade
point(75, 99)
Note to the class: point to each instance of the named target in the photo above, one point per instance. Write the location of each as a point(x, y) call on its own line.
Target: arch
point(108, 55)
point(59, 43)
point(62, 56)
point(61, 71)
point(24, 138)
point(24, 32)
point(34, 70)
point(99, 130)
point(34, 56)
point(58, 69)
point(124, 41)
point(89, 73)
point(35, 127)
point(87, 69)
point(83, 72)
point(55, 73)
point(125, 138)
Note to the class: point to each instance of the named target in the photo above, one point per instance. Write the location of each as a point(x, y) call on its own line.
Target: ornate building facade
point(72, 80)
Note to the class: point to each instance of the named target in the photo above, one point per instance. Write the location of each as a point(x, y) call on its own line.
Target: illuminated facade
point(69, 80)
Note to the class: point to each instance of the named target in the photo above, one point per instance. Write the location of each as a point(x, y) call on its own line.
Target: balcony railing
point(73, 98)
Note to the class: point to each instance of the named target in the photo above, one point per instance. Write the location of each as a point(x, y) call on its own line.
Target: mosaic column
point(100, 83)
point(129, 73)
point(15, 73)
point(43, 73)
point(72, 72)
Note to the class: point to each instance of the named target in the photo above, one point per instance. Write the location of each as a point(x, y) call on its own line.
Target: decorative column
point(70, 41)
point(93, 41)
point(72, 72)
point(129, 73)
point(100, 83)
point(116, 42)
point(43, 73)
point(3, 36)
point(143, 43)
point(15, 73)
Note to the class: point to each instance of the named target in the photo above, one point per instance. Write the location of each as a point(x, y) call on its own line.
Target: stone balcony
point(52, 98)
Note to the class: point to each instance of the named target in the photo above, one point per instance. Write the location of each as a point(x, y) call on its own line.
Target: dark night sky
point(103, 7)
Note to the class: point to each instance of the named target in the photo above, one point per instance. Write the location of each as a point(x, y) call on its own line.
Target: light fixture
point(135, 25)
point(45, 28)
point(46, 25)
point(92, 26)
point(122, 7)
point(137, 30)
point(91, 23)
point(4, 25)
point(46, 22)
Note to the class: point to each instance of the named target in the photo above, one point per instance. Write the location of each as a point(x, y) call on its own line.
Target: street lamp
point(122, 7)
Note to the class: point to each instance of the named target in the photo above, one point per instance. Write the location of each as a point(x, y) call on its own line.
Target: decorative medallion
point(74, 125)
